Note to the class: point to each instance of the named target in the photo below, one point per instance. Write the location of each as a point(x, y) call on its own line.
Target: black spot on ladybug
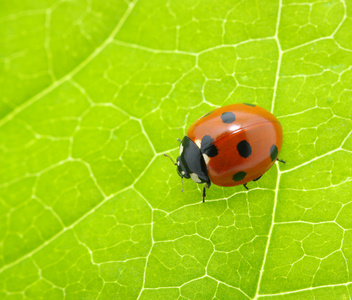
point(228, 117)
point(239, 176)
point(207, 114)
point(258, 178)
point(249, 104)
point(207, 146)
point(244, 149)
point(273, 152)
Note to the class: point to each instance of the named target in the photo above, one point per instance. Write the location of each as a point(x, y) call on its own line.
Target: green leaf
point(93, 93)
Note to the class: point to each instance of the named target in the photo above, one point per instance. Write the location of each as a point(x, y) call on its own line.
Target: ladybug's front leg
point(205, 186)
point(245, 185)
point(280, 160)
point(204, 194)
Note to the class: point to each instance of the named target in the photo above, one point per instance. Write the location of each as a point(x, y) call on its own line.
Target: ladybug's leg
point(204, 194)
point(205, 186)
point(245, 185)
point(258, 178)
point(280, 160)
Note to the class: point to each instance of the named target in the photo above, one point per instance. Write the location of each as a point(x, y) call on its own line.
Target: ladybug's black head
point(181, 169)
point(190, 163)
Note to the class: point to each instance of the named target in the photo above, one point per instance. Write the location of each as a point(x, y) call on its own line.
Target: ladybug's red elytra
point(229, 146)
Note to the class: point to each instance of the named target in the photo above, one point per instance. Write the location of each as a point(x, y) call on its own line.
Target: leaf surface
point(93, 93)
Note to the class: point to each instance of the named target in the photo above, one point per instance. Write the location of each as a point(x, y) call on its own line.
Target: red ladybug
point(229, 146)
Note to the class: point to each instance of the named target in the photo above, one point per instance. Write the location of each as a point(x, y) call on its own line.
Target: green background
point(93, 93)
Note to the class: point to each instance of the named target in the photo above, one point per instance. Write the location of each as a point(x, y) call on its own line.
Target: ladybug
point(230, 146)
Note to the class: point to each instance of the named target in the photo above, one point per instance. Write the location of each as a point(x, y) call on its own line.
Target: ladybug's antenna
point(170, 159)
point(176, 165)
